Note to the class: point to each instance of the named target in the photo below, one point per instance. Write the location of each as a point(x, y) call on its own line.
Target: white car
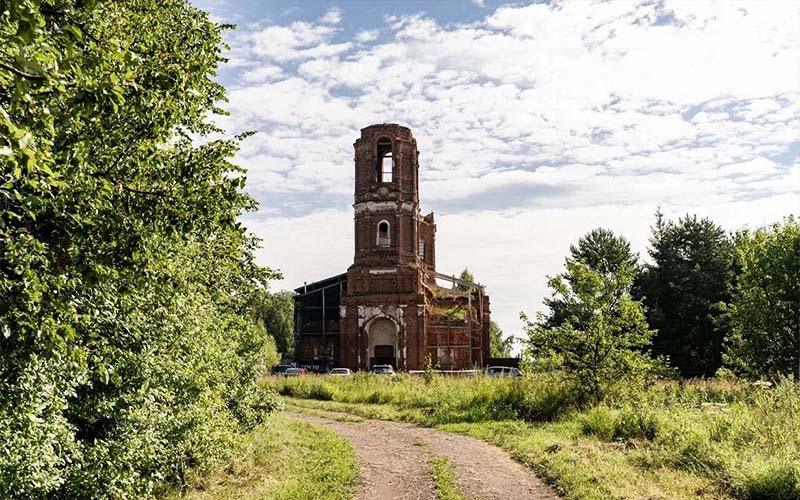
point(502, 371)
point(341, 372)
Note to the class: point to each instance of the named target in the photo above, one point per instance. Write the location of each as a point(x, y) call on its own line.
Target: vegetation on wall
point(128, 346)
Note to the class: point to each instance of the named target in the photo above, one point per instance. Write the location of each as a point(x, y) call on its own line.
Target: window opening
point(383, 234)
point(422, 249)
point(385, 163)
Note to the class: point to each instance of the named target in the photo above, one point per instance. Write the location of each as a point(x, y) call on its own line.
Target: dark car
point(280, 369)
point(382, 369)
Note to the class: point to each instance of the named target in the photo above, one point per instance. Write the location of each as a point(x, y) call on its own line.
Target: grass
point(444, 480)
point(286, 459)
point(671, 440)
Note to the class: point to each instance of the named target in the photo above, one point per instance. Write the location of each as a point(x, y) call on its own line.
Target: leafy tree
point(276, 311)
point(600, 250)
point(127, 353)
point(686, 289)
point(603, 341)
point(765, 314)
point(603, 251)
point(499, 347)
point(467, 276)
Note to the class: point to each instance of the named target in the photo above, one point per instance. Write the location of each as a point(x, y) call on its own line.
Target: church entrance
point(383, 343)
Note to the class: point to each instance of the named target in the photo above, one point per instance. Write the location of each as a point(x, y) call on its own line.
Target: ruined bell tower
point(391, 310)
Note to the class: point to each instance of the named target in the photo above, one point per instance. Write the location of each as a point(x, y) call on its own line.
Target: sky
point(535, 122)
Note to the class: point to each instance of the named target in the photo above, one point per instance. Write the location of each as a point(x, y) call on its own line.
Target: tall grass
point(743, 438)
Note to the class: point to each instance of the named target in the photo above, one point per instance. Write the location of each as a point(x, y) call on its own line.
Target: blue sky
point(535, 123)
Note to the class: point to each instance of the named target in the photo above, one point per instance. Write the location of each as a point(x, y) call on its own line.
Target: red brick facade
point(390, 308)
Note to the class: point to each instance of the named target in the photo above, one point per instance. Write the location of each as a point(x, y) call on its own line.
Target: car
point(382, 369)
point(280, 369)
point(503, 371)
point(295, 372)
point(341, 372)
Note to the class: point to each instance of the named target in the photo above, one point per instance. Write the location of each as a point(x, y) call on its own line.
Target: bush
point(777, 480)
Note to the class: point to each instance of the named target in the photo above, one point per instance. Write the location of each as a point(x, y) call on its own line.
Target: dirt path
point(394, 463)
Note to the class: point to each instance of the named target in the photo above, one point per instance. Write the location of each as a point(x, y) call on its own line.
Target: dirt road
point(393, 459)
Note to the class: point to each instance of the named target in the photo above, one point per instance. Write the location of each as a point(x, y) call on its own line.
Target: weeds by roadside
point(695, 439)
point(284, 460)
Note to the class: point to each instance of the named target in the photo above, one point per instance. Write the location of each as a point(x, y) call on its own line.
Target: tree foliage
point(601, 251)
point(499, 347)
point(686, 289)
point(276, 311)
point(128, 350)
point(765, 314)
point(603, 340)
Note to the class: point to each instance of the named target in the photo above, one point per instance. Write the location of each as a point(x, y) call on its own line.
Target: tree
point(685, 291)
point(467, 277)
point(600, 250)
point(499, 347)
point(603, 251)
point(276, 311)
point(127, 351)
point(765, 313)
point(603, 341)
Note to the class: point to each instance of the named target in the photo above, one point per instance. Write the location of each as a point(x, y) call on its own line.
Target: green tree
point(499, 347)
point(469, 278)
point(127, 351)
point(765, 313)
point(603, 341)
point(600, 250)
point(686, 289)
point(276, 311)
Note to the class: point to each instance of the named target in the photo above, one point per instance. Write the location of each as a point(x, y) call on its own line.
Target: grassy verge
point(285, 460)
point(444, 479)
point(705, 439)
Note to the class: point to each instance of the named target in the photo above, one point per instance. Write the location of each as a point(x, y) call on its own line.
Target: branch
point(21, 73)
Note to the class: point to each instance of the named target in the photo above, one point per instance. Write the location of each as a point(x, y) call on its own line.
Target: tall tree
point(499, 346)
point(603, 341)
point(686, 289)
point(765, 313)
point(276, 311)
point(126, 349)
point(601, 251)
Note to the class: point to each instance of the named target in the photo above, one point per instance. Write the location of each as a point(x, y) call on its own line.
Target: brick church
point(389, 307)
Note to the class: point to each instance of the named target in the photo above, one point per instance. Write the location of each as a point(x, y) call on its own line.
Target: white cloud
point(534, 125)
point(332, 16)
point(366, 36)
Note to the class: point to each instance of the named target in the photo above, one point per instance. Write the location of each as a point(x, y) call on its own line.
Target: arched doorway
point(382, 342)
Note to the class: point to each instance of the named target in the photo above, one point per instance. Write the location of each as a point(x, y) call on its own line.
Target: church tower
point(386, 197)
point(391, 309)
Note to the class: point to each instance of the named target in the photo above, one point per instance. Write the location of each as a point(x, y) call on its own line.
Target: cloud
point(534, 124)
point(331, 16)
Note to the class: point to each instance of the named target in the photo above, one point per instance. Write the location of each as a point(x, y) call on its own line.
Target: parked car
point(502, 371)
point(280, 369)
point(342, 372)
point(382, 369)
point(295, 372)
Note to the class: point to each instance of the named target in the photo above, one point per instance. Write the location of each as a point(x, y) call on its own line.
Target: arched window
point(384, 239)
point(385, 162)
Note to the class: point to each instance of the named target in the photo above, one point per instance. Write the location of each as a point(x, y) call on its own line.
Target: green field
point(670, 440)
